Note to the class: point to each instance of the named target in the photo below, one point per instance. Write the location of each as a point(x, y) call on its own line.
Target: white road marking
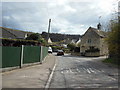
point(67, 71)
point(87, 70)
point(78, 70)
point(113, 78)
point(92, 70)
point(77, 60)
point(70, 71)
point(50, 78)
point(98, 70)
point(102, 70)
point(61, 71)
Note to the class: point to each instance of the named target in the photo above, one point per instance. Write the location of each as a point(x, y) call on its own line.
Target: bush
point(71, 46)
point(34, 36)
point(18, 42)
point(112, 61)
point(37, 37)
point(66, 50)
point(92, 50)
point(114, 41)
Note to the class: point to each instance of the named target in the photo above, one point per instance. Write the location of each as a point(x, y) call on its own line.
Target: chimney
point(99, 26)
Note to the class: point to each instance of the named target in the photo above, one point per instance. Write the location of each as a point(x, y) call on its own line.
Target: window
point(89, 40)
point(91, 47)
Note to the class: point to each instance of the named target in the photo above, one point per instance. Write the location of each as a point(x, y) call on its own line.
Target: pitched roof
point(12, 33)
point(99, 32)
point(5, 34)
point(78, 41)
point(56, 37)
point(49, 41)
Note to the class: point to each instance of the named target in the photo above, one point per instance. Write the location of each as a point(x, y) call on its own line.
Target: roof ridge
point(97, 31)
point(16, 30)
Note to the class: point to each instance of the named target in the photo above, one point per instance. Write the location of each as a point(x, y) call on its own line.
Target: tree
point(34, 36)
point(37, 37)
point(114, 42)
point(71, 46)
point(43, 41)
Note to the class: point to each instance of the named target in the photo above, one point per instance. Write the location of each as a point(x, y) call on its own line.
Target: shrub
point(92, 50)
point(18, 42)
point(114, 41)
point(71, 46)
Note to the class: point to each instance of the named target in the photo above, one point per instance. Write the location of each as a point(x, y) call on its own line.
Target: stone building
point(93, 42)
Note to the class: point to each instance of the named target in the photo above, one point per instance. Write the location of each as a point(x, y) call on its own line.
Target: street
point(83, 72)
point(70, 72)
point(60, 44)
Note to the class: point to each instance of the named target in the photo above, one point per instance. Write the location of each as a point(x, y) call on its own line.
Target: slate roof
point(12, 33)
point(56, 37)
point(74, 40)
point(99, 32)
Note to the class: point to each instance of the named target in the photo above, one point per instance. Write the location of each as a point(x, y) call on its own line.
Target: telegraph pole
point(48, 30)
point(99, 18)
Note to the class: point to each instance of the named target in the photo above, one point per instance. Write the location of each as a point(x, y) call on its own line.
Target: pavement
point(29, 77)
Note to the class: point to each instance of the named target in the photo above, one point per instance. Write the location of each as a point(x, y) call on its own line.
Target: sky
point(67, 16)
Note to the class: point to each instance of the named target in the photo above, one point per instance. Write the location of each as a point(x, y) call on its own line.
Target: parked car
point(49, 50)
point(55, 50)
point(60, 52)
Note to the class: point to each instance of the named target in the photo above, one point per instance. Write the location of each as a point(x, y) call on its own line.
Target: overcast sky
point(68, 16)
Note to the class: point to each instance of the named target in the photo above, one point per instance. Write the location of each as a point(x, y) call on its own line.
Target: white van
point(49, 50)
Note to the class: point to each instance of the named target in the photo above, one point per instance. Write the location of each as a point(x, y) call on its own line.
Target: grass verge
point(112, 61)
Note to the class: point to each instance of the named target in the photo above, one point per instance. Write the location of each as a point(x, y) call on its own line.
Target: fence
point(18, 56)
point(0, 57)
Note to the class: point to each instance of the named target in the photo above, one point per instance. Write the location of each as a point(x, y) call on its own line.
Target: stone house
point(93, 43)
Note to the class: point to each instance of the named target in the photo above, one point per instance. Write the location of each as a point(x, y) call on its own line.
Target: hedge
point(18, 42)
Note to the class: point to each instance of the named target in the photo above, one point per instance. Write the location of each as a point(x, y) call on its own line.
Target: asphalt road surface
point(83, 72)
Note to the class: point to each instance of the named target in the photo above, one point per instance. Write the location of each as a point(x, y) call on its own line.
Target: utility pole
point(48, 30)
point(100, 19)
